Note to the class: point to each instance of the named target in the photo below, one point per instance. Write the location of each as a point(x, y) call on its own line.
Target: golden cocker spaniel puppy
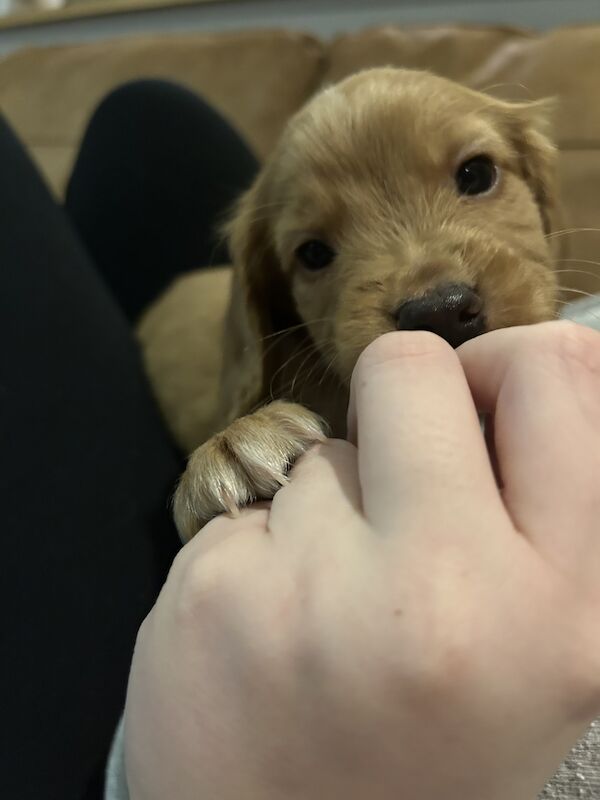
point(395, 200)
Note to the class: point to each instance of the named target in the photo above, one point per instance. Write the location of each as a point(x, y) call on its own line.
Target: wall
point(324, 17)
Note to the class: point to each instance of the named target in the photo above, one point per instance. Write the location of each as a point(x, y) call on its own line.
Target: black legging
point(86, 466)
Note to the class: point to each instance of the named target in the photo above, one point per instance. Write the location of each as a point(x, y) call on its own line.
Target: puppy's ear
point(259, 303)
point(529, 127)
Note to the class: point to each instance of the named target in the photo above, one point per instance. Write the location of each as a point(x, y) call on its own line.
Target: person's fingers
point(420, 446)
point(542, 386)
point(252, 519)
point(323, 492)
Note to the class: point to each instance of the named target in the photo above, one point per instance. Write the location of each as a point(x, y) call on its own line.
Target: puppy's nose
point(452, 310)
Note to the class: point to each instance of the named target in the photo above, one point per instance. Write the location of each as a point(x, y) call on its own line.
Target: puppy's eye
point(315, 254)
point(476, 176)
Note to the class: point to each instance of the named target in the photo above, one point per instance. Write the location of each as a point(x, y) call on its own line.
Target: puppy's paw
point(248, 461)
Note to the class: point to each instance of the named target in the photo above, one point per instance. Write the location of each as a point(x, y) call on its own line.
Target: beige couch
point(258, 79)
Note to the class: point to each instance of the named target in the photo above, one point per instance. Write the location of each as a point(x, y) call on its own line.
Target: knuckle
point(178, 567)
point(334, 448)
point(439, 670)
point(223, 578)
point(424, 675)
point(334, 451)
point(204, 582)
point(341, 446)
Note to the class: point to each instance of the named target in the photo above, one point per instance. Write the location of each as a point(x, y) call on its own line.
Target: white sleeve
point(585, 311)
point(116, 783)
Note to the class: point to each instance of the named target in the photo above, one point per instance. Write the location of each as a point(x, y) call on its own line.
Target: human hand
point(394, 625)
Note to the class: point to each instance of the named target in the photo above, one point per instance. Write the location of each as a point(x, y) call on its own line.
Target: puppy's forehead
point(388, 116)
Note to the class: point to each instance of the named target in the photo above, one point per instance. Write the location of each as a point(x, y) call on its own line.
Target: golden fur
point(367, 166)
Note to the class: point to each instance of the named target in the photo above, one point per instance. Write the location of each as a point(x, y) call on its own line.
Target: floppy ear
point(530, 133)
point(260, 304)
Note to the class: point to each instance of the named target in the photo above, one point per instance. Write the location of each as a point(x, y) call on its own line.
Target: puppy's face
point(399, 200)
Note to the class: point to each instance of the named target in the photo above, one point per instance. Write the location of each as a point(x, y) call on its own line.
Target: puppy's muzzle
point(453, 311)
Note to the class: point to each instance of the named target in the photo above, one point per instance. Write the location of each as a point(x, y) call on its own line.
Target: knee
point(153, 103)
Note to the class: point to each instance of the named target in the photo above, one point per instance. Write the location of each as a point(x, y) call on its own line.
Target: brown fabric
point(515, 65)
point(177, 336)
point(456, 52)
point(580, 190)
point(256, 79)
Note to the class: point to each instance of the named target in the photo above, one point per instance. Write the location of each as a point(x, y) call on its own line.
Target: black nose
point(453, 311)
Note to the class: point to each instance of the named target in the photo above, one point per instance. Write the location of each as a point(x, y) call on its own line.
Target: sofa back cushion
point(256, 79)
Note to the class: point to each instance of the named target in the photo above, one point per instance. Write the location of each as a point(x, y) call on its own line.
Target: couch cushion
point(517, 65)
point(454, 51)
point(256, 79)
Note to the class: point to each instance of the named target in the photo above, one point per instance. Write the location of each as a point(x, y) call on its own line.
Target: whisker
point(327, 350)
point(566, 231)
point(318, 363)
point(328, 368)
point(577, 261)
point(577, 272)
point(301, 367)
point(506, 309)
point(295, 354)
point(320, 353)
point(272, 345)
point(522, 86)
point(278, 336)
point(295, 328)
point(578, 291)
point(301, 348)
point(556, 314)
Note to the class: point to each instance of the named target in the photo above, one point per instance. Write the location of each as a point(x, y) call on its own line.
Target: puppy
point(395, 200)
